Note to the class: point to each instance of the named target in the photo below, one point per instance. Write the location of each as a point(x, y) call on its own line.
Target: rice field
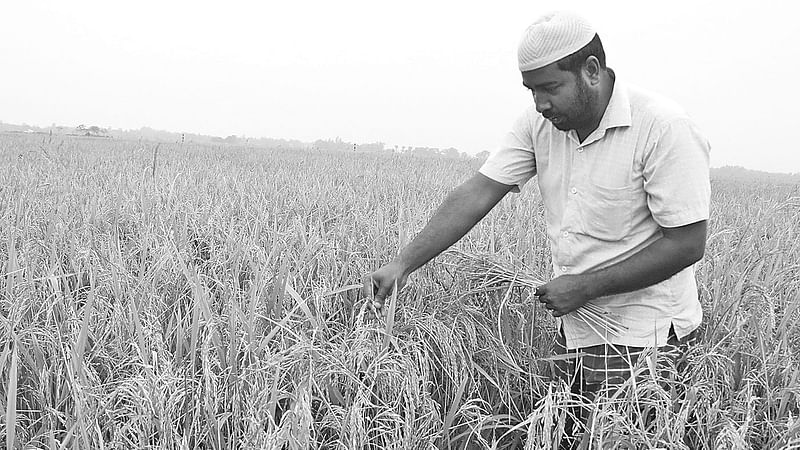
point(207, 297)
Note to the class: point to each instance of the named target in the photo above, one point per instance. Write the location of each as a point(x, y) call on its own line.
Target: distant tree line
point(338, 145)
point(328, 145)
point(738, 173)
point(92, 130)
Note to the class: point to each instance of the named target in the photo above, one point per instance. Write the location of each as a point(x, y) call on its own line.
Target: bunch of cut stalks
point(492, 275)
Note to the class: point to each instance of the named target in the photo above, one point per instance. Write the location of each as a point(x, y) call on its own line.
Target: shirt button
point(565, 233)
point(580, 150)
point(574, 190)
point(563, 268)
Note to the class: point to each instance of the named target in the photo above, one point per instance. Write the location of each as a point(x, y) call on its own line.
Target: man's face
point(562, 97)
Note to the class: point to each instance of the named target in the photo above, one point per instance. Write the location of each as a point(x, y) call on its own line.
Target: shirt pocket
point(606, 212)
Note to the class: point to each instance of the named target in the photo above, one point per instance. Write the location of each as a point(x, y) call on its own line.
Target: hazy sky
point(419, 73)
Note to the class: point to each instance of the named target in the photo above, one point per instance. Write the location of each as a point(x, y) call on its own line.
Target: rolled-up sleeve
point(676, 175)
point(513, 162)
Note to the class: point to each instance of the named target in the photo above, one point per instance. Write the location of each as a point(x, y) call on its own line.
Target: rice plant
point(207, 296)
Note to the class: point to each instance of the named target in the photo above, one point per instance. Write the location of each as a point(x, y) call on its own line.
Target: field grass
point(205, 297)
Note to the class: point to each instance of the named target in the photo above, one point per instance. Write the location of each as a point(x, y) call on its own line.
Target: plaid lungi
point(606, 366)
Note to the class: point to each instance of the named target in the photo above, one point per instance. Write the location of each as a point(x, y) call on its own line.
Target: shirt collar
point(617, 113)
point(618, 110)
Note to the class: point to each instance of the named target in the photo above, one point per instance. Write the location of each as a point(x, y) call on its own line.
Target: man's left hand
point(565, 294)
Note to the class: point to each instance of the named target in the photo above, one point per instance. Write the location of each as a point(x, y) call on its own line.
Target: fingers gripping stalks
point(490, 273)
point(375, 305)
point(376, 299)
point(379, 285)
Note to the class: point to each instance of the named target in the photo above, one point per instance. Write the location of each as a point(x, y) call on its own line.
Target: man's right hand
point(379, 284)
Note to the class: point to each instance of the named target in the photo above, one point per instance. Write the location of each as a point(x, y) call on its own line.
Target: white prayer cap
point(552, 37)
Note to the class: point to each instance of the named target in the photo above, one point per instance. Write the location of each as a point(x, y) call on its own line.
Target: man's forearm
point(660, 260)
point(676, 249)
point(654, 264)
point(459, 212)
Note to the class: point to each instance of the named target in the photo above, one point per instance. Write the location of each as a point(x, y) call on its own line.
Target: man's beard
point(579, 112)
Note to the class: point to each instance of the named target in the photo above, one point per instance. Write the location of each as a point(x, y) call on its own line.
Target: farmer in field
point(624, 179)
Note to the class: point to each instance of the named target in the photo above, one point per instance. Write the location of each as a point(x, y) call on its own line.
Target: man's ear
point(591, 70)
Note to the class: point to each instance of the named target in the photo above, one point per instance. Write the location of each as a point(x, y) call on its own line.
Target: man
point(624, 180)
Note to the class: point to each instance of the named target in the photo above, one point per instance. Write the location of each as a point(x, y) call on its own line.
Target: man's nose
point(542, 103)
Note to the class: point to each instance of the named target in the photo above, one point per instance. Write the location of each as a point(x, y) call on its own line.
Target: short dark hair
point(574, 62)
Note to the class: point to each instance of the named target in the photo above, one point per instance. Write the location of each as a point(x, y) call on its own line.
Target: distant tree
point(372, 147)
point(96, 131)
point(450, 153)
point(426, 152)
point(482, 155)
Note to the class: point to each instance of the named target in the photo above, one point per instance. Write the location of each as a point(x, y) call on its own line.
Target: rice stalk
point(11, 397)
point(313, 223)
point(492, 274)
